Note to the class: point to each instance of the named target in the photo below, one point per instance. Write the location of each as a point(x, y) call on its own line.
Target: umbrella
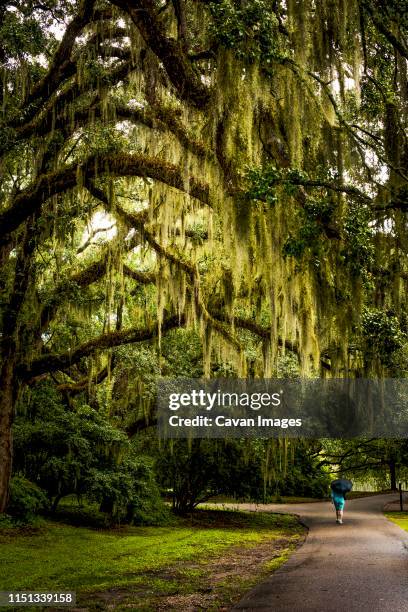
point(342, 485)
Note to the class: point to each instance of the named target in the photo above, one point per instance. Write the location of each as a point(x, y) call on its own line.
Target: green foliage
point(262, 183)
point(198, 233)
point(250, 29)
point(382, 333)
point(79, 452)
point(247, 470)
point(377, 461)
point(304, 477)
point(269, 183)
point(311, 218)
point(57, 448)
point(134, 389)
point(265, 180)
point(182, 354)
point(21, 37)
point(138, 369)
point(130, 492)
point(26, 499)
point(359, 249)
point(199, 469)
point(7, 522)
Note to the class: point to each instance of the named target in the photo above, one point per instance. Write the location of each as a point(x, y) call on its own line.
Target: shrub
point(26, 499)
point(129, 493)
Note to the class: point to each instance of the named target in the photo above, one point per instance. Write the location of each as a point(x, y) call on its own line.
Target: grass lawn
point(400, 518)
point(206, 561)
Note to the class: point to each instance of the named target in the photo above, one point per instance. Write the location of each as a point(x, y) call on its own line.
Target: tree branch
point(379, 22)
point(62, 57)
point(83, 278)
point(192, 275)
point(81, 385)
point(31, 199)
point(170, 52)
point(145, 278)
point(53, 362)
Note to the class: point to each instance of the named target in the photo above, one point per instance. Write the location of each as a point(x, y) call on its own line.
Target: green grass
point(399, 518)
point(146, 563)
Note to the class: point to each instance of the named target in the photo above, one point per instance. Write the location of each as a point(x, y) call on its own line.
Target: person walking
point(339, 488)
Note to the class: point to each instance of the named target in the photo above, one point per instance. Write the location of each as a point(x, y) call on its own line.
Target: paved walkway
point(360, 566)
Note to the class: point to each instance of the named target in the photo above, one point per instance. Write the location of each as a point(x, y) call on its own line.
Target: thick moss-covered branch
point(81, 385)
point(32, 198)
point(156, 118)
point(262, 332)
point(55, 111)
point(61, 361)
point(83, 278)
point(164, 118)
point(176, 62)
point(62, 57)
point(145, 278)
point(258, 330)
point(349, 190)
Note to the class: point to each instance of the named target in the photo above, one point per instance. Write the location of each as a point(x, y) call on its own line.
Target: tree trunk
point(9, 347)
point(6, 418)
point(55, 503)
point(106, 505)
point(393, 475)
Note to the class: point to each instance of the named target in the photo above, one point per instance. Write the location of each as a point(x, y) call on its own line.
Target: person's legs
point(339, 505)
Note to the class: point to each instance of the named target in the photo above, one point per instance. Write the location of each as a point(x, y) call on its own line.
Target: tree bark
point(6, 418)
point(170, 52)
point(9, 354)
point(55, 503)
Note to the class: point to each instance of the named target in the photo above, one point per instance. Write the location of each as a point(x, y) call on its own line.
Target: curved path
point(361, 565)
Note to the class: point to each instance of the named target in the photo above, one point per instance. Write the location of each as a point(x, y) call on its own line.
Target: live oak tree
point(223, 166)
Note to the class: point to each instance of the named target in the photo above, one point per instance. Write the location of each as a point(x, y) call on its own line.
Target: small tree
point(79, 452)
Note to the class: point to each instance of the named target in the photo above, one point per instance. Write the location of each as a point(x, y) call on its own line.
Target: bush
point(26, 499)
point(6, 521)
point(59, 449)
point(129, 493)
point(80, 452)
